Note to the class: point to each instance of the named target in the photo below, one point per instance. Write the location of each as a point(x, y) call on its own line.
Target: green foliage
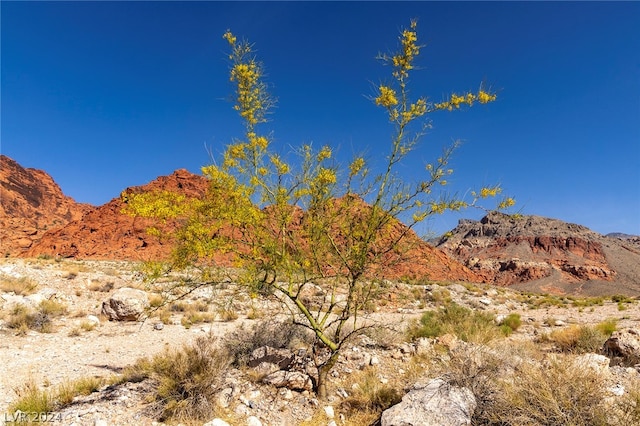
point(607, 327)
point(291, 222)
point(468, 325)
point(512, 322)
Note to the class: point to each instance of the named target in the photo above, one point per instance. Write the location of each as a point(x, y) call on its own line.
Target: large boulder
point(125, 304)
point(436, 403)
point(623, 347)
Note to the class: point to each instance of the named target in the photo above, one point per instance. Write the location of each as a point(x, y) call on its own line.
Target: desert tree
point(302, 225)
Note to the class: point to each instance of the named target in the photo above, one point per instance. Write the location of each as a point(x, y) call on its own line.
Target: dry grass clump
point(186, 380)
point(32, 399)
point(97, 285)
point(578, 339)
point(21, 286)
point(516, 384)
point(369, 396)
point(22, 318)
point(556, 392)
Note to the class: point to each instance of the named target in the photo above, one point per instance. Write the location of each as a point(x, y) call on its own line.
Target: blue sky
point(106, 95)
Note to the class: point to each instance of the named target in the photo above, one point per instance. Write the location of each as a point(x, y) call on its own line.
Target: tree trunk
point(323, 374)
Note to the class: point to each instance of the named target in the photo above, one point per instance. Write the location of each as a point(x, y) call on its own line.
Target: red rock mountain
point(108, 233)
point(30, 204)
point(548, 255)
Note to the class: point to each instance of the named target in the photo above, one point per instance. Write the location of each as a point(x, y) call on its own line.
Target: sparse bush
point(52, 307)
point(20, 286)
point(96, 285)
point(276, 334)
point(194, 317)
point(578, 339)
point(553, 393)
point(156, 300)
point(369, 394)
point(32, 399)
point(607, 327)
point(186, 380)
point(510, 324)
point(23, 319)
point(466, 324)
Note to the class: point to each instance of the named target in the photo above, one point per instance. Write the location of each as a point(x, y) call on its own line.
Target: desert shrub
point(20, 286)
point(620, 298)
point(369, 394)
point(510, 324)
point(52, 307)
point(440, 296)
point(607, 327)
point(156, 301)
point(276, 334)
point(195, 317)
point(586, 301)
point(67, 391)
point(557, 392)
point(466, 324)
point(185, 380)
point(578, 339)
point(22, 319)
point(32, 399)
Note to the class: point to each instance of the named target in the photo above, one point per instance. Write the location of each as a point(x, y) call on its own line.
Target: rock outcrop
point(556, 256)
point(435, 403)
point(31, 202)
point(109, 233)
point(125, 304)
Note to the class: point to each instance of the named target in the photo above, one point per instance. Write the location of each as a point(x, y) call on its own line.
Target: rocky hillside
point(30, 204)
point(541, 254)
point(108, 233)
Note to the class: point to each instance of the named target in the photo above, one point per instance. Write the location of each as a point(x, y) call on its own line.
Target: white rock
point(126, 304)
point(328, 410)
point(253, 421)
point(93, 319)
point(617, 390)
point(435, 404)
point(216, 422)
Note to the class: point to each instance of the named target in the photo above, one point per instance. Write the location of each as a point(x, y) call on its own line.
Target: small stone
point(253, 421)
point(216, 422)
point(93, 319)
point(158, 326)
point(374, 360)
point(328, 410)
point(617, 390)
point(485, 301)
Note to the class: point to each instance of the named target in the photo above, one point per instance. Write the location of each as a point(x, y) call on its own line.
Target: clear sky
point(106, 95)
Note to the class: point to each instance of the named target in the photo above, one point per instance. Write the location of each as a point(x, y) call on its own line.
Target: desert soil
point(50, 359)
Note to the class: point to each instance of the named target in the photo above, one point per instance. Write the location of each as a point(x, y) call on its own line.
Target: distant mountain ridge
point(543, 254)
point(527, 252)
